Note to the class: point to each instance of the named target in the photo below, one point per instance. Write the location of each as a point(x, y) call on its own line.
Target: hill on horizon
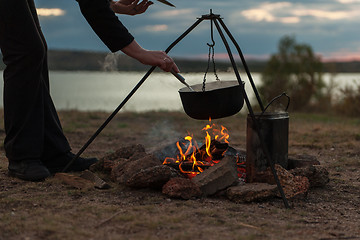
point(73, 60)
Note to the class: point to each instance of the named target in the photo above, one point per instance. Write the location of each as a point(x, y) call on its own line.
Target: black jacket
point(105, 23)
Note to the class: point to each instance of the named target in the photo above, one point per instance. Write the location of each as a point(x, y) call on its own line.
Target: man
point(35, 144)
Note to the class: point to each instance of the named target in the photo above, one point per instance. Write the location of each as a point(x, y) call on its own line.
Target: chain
point(210, 58)
point(207, 68)
point(213, 60)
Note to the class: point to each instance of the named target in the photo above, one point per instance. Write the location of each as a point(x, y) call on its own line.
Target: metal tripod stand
point(214, 18)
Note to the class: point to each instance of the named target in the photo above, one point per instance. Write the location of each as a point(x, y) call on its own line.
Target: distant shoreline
point(71, 60)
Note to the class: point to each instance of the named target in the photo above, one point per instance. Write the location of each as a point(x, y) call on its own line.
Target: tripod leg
point(255, 122)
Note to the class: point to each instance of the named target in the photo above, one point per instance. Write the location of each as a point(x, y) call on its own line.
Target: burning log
point(199, 159)
point(187, 166)
point(192, 160)
point(216, 150)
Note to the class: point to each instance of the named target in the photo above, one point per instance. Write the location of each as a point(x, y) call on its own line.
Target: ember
point(193, 160)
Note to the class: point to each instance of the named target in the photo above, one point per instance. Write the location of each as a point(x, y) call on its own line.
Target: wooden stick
point(248, 225)
point(108, 219)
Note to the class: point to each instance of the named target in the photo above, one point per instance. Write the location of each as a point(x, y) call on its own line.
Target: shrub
point(349, 103)
point(295, 70)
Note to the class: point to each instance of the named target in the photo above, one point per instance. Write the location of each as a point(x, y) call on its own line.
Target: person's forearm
point(105, 24)
point(134, 50)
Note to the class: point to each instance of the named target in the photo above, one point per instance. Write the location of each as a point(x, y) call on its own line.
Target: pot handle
point(276, 98)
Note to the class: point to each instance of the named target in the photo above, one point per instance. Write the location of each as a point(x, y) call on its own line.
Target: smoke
point(277, 108)
point(110, 63)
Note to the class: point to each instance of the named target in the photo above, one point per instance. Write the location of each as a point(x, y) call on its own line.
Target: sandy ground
point(52, 210)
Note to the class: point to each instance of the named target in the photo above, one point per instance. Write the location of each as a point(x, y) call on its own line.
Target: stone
point(98, 166)
point(218, 177)
point(125, 152)
point(292, 185)
point(251, 192)
point(181, 188)
point(105, 165)
point(123, 171)
point(318, 175)
point(268, 177)
point(152, 177)
point(296, 187)
point(108, 162)
point(138, 155)
point(301, 161)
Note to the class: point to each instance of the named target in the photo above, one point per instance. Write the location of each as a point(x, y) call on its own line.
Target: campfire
point(189, 169)
point(193, 160)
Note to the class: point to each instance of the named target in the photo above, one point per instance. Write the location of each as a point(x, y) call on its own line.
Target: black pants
point(32, 127)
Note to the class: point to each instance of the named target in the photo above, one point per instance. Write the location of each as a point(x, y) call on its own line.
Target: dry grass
point(51, 210)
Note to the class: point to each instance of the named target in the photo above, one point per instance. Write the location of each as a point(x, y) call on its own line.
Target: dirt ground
point(52, 210)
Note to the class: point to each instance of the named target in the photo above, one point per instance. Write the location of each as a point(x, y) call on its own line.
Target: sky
point(330, 27)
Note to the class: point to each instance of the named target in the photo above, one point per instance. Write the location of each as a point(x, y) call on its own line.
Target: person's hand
point(152, 58)
point(130, 7)
point(160, 59)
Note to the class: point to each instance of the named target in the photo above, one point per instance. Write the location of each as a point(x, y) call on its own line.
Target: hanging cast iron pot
point(219, 99)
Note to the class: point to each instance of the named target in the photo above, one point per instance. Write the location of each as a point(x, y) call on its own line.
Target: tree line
point(69, 60)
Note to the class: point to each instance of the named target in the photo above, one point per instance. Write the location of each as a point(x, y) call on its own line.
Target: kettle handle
point(276, 98)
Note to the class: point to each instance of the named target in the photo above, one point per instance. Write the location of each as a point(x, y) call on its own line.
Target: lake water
point(104, 91)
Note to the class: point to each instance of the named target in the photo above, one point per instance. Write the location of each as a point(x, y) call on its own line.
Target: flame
point(195, 160)
point(208, 142)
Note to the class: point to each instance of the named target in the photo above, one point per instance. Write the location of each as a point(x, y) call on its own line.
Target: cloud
point(173, 13)
point(289, 13)
point(268, 12)
point(47, 12)
point(348, 1)
point(329, 26)
point(169, 21)
point(330, 15)
point(156, 28)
